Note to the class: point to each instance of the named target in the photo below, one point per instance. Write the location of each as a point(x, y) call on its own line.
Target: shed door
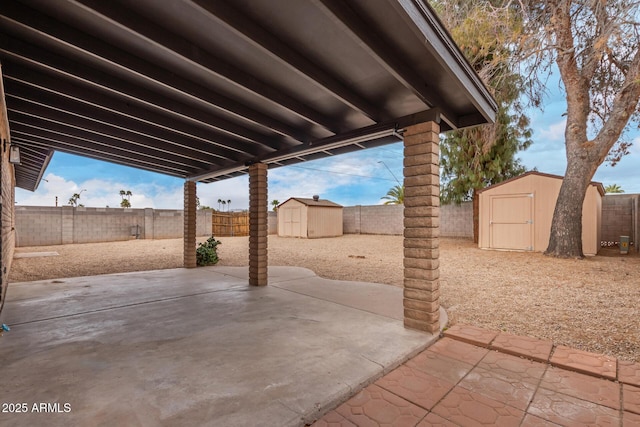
point(292, 221)
point(511, 222)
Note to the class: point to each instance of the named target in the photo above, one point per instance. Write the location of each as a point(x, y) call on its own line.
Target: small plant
point(207, 252)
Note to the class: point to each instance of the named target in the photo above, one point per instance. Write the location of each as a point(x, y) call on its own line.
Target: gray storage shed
point(309, 218)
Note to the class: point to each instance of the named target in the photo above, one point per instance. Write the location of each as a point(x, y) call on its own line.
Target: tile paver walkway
point(629, 372)
point(477, 377)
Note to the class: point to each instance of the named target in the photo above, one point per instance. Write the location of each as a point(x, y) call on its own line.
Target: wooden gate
point(229, 224)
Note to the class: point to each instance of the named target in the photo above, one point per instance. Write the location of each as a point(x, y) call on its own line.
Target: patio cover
point(200, 89)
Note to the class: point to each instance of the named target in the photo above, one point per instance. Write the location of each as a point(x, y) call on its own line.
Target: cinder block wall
point(376, 219)
point(105, 224)
point(636, 232)
point(39, 226)
point(167, 224)
point(457, 220)
point(43, 225)
point(618, 216)
point(272, 222)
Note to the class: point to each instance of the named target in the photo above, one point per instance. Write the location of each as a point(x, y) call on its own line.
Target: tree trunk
point(565, 240)
point(476, 216)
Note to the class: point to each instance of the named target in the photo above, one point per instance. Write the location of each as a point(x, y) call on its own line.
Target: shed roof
point(598, 185)
point(199, 89)
point(312, 202)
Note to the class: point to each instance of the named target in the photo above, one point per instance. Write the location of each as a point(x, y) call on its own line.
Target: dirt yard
point(591, 304)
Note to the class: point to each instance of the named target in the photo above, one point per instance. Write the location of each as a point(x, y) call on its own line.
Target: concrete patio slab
point(195, 347)
point(370, 297)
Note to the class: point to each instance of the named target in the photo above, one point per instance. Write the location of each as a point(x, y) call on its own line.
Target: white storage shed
point(309, 218)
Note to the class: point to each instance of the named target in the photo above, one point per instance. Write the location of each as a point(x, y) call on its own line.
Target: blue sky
point(349, 179)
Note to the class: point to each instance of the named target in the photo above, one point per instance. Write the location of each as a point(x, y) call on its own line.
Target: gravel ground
point(590, 304)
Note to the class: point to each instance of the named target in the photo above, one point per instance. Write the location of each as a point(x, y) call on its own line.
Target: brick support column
point(189, 235)
point(258, 225)
point(421, 227)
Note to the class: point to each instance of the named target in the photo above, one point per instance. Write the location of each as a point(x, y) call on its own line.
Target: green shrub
point(207, 252)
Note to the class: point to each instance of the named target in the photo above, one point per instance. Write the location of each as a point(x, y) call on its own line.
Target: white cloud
point(547, 153)
point(625, 173)
point(318, 177)
point(553, 133)
point(99, 193)
point(234, 189)
point(322, 176)
point(635, 147)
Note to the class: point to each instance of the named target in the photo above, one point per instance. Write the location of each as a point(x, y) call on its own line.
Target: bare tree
point(595, 45)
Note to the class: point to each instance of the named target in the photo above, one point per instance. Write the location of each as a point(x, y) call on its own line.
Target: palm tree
point(275, 204)
point(395, 195)
point(219, 201)
point(73, 200)
point(613, 189)
point(228, 205)
point(126, 198)
point(224, 203)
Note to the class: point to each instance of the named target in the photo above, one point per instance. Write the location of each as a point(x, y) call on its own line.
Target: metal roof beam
point(26, 96)
point(83, 138)
point(428, 27)
point(212, 141)
point(390, 129)
point(113, 132)
point(43, 59)
point(33, 163)
point(34, 154)
point(253, 32)
point(354, 23)
point(89, 50)
point(357, 137)
point(24, 156)
point(139, 26)
point(31, 136)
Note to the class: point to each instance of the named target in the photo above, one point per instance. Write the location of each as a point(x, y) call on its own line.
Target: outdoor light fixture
point(14, 154)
